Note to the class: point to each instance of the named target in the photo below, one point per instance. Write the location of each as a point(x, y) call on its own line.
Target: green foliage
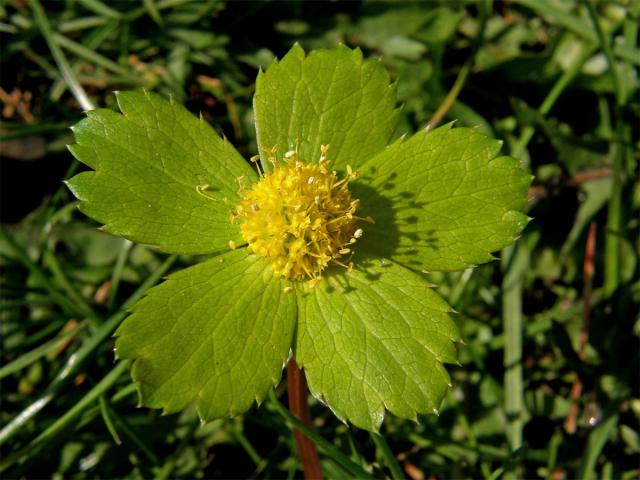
point(216, 334)
point(149, 163)
point(328, 98)
point(185, 351)
point(376, 339)
point(453, 200)
point(540, 81)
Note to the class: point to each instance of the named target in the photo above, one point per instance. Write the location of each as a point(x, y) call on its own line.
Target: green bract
point(219, 333)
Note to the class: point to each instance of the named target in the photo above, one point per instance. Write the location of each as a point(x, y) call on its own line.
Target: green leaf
point(217, 333)
point(328, 97)
point(442, 200)
point(149, 163)
point(404, 30)
point(375, 338)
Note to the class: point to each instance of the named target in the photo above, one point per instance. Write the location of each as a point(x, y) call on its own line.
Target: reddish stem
point(588, 269)
point(299, 406)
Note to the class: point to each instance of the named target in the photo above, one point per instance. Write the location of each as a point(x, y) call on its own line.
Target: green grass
point(537, 74)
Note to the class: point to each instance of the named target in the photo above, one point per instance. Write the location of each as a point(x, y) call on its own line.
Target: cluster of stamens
point(300, 216)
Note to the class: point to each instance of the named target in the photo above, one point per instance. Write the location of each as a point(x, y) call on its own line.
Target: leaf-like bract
point(217, 333)
point(152, 163)
point(329, 97)
point(375, 338)
point(369, 339)
point(451, 200)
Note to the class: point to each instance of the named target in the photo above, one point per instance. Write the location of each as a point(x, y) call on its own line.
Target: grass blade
point(515, 261)
point(28, 358)
point(63, 302)
point(154, 13)
point(93, 41)
point(106, 416)
point(134, 437)
point(67, 420)
point(91, 56)
point(100, 8)
point(597, 440)
point(117, 272)
point(450, 99)
point(556, 16)
point(50, 260)
point(65, 69)
point(76, 361)
point(385, 452)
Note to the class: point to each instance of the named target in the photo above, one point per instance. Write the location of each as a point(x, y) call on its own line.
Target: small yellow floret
point(300, 217)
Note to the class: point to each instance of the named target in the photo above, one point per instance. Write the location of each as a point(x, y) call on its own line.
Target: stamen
point(201, 189)
point(300, 217)
point(240, 182)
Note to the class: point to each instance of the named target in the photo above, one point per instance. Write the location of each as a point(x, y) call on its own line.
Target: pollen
point(300, 217)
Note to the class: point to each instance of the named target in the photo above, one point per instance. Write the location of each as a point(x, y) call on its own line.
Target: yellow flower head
point(300, 216)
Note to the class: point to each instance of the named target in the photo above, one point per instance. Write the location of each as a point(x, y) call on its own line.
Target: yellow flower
point(317, 249)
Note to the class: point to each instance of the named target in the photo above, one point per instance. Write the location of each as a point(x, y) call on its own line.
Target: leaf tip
point(356, 52)
point(296, 48)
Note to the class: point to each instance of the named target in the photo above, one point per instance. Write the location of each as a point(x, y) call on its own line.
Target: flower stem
point(298, 393)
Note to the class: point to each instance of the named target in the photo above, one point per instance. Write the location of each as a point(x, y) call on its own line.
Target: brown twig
point(589, 175)
point(588, 269)
point(299, 406)
point(537, 192)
